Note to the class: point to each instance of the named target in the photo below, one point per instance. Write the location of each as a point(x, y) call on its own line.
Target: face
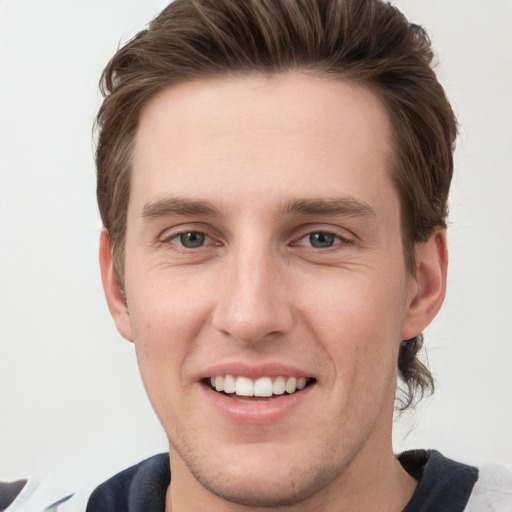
point(266, 287)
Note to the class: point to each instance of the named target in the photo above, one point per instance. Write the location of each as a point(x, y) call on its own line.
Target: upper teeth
point(264, 386)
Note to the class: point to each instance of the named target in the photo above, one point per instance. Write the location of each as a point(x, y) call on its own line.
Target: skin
point(257, 292)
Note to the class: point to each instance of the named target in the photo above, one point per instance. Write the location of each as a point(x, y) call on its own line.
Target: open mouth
point(263, 387)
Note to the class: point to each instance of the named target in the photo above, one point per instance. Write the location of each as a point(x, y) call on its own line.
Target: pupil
point(192, 239)
point(321, 239)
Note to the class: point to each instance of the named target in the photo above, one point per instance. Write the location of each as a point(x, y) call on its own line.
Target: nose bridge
point(253, 302)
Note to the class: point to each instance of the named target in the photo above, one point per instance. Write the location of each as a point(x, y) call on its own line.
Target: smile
point(261, 387)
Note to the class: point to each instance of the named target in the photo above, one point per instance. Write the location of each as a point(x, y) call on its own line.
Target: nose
point(253, 300)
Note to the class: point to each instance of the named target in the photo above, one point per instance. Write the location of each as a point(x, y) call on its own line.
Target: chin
point(266, 475)
point(268, 489)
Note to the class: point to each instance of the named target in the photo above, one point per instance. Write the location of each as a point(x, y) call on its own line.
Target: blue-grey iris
point(321, 240)
point(192, 239)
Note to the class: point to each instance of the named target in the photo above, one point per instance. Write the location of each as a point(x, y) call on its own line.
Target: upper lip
point(239, 369)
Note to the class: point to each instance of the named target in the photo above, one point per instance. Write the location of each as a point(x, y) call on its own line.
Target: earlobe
point(113, 293)
point(430, 284)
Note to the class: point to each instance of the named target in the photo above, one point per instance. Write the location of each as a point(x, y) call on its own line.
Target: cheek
point(166, 322)
point(358, 322)
point(167, 316)
point(167, 300)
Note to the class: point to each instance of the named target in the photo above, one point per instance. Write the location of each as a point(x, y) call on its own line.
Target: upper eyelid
point(177, 234)
point(325, 232)
point(173, 231)
point(339, 231)
point(342, 240)
point(294, 236)
point(172, 242)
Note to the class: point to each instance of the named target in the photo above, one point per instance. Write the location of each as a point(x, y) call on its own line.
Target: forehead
point(292, 133)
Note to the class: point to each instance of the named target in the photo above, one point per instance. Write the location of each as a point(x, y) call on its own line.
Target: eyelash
point(169, 239)
point(326, 233)
point(341, 240)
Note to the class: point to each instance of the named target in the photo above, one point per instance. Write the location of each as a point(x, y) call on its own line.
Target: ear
point(115, 298)
point(429, 284)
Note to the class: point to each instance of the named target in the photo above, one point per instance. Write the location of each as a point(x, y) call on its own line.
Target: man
point(273, 179)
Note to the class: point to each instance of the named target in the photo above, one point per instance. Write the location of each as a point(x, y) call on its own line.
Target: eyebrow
point(345, 206)
point(169, 206)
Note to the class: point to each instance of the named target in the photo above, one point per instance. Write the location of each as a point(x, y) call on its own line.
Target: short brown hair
point(364, 41)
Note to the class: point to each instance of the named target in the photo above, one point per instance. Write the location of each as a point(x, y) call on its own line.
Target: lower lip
point(256, 412)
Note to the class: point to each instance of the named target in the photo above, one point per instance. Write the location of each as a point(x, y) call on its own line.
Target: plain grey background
point(72, 406)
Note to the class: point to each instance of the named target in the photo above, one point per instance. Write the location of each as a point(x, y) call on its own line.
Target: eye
point(190, 239)
point(321, 240)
